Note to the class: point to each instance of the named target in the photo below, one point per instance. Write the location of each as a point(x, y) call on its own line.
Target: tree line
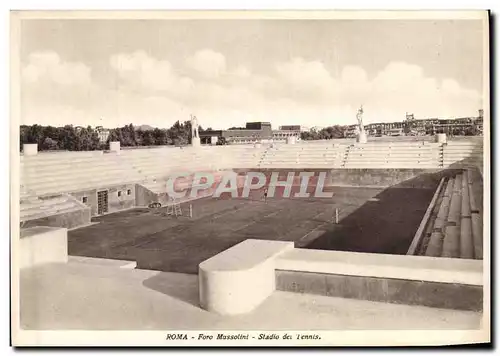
point(70, 138)
point(326, 133)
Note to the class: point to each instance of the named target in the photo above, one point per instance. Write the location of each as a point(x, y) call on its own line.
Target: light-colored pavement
point(96, 297)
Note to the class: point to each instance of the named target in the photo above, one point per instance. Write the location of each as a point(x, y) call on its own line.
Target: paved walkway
point(104, 297)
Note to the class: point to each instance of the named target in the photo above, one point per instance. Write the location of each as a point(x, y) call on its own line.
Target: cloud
point(242, 72)
point(304, 80)
point(208, 63)
point(402, 87)
point(49, 68)
point(139, 71)
point(153, 91)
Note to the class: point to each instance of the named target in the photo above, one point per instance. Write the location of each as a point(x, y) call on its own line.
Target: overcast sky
point(228, 72)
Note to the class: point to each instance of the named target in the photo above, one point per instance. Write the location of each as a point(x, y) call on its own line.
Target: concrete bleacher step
point(393, 165)
point(477, 235)
point(451, 242)
point(393, 157)
point(455, 230)
point(476, 215)
point(72, 186)
point(394, 148)
point(101, 175)
point(48, 207)
point(74, 172)
point(58, 156)
point(383, 160)
point(435, 245)
point(429, 227)
point(466, 243)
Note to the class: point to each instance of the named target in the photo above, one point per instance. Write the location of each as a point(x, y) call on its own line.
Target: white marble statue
point(359, 116)
point(361, 134)
point(194, 127)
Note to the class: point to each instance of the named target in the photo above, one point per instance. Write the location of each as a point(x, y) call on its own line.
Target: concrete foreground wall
point(399, 279)
point(239, 279)
point(40, 245)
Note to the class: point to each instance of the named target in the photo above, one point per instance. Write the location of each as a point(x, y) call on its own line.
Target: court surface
point(370, 220)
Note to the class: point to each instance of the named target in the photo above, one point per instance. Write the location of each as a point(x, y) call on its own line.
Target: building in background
point(287, 131)
point(251, 133)
point(102, 133)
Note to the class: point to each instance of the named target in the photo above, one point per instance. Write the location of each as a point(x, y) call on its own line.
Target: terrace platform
point(106, 297)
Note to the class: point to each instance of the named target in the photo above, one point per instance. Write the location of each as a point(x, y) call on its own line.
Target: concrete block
point(239, 279)
point(362, 137)
point(30, 149)
point(40, 245)
point(114, 146)
point(440, 138)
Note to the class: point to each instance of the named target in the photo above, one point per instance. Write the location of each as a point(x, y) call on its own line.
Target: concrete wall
point(67, 220)
point(356, 177)
point(408, 178)
point(91, 199)
point(386, 290)
point(40, 245)
point(143, 196)
point(115, 203)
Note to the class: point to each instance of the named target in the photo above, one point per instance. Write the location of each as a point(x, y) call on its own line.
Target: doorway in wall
point(102, 202)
